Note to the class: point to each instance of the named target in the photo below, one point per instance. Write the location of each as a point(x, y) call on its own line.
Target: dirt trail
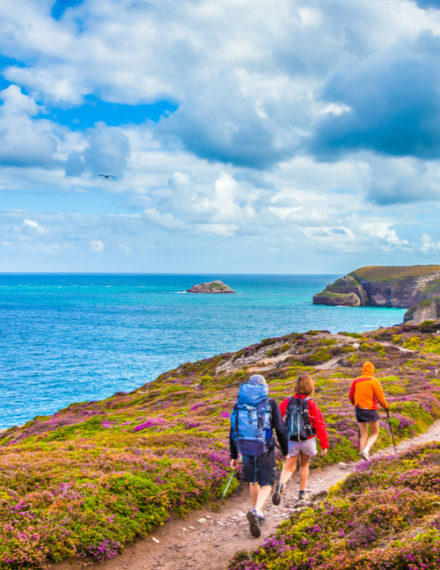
point(207, 539)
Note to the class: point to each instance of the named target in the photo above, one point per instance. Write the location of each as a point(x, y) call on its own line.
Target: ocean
point(77, 337)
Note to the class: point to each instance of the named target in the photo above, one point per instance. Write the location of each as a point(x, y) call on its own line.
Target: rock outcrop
point(427, 310)
point(383, 286)
point(211, 287)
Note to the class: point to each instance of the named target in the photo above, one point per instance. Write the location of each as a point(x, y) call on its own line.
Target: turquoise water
point(71, 338)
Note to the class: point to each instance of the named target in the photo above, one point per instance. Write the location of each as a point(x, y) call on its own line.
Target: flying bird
point(108, 176)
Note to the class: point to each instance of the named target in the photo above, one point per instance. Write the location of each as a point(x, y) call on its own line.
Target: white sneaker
point(365, 455)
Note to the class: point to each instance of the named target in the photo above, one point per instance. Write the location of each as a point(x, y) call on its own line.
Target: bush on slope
point(386, 515)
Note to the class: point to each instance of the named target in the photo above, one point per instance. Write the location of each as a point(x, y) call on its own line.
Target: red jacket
point(316, 419)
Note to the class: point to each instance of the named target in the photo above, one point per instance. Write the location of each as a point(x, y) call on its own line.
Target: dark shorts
point(366, 416)
point(261, 469)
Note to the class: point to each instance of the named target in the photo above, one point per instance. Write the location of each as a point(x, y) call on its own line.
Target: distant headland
point(385, 286)
point(211, 287)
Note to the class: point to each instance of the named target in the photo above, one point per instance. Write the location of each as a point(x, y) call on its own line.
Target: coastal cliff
point(426, 310)
point(383, 286)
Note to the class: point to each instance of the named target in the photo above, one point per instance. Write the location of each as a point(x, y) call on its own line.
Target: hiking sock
point(366, 449)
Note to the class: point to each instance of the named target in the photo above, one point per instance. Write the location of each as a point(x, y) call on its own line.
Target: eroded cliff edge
point(383, 286)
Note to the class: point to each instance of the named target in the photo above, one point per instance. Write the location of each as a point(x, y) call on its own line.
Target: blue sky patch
point(4, 63)
point(60, 6)
point(112, 114)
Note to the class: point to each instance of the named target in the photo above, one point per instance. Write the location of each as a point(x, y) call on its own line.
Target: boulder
point(211, 287)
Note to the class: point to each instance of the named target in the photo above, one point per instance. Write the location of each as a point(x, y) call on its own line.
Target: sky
point(241, 136)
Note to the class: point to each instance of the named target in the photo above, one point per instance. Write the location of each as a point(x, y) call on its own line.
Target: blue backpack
point(298, 424)
point(251, 420)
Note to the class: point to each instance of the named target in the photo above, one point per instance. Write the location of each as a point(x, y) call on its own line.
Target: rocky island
point(384, 286)
point(211, 287)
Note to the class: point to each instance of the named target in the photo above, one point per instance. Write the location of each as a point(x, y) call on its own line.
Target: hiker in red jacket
point(305, 450)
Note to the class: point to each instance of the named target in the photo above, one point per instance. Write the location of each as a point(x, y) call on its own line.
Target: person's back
point(366, 390)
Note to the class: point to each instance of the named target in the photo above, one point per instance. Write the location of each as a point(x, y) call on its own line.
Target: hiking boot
point(255, 523)
point(276, 497)
point(304, 497)
point(365, 455)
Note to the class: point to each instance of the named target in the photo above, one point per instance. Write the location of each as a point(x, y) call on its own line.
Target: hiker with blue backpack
point(253, 420)
point(304, 423)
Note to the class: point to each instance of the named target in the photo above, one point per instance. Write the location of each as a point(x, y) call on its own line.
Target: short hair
point(257, 380)
point(305, 385)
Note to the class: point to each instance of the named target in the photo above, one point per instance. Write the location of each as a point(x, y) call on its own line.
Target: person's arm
point(278, 424)
point(283, 407)
point(352, 390)
point(318, 423)
point(232, 445)
point(380, 396)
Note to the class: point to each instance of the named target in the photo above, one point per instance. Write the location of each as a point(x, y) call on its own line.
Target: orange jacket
point(366, 391)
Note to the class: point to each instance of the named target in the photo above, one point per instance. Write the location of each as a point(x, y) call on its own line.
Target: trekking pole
point(391, 430)
point(230, 481)
point(277, 495)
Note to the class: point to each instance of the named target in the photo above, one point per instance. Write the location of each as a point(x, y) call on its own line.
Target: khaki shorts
point(307, 447)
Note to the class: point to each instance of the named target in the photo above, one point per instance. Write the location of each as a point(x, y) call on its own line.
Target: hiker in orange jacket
point(365, 392)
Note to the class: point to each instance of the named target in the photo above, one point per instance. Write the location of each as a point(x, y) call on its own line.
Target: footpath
point(208, 538)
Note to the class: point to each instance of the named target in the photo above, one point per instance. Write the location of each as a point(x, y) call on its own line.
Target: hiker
point(365, 392)
point(252, 422)
point(301, 434)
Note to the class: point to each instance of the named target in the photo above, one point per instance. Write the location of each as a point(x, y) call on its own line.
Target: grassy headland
point(90, 478)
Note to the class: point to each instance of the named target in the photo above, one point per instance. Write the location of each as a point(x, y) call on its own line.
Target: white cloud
point(96, 246)
point(167, 220)
point(309, 16)
point(25, 141)
point(35, 226)
point(226, 230)
point(428, 245)
point(106, 151)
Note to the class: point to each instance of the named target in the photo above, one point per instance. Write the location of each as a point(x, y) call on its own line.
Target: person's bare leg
point(263, 495)
point(374, 433)
point(304, 463)
point(289, 469)
point(254, 489)
point(364, 435)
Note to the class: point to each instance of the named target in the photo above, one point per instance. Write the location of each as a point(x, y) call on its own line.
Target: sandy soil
point(208, 538)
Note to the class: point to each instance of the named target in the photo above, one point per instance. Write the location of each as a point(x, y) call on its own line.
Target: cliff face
point(427, 310)
point(383, 286)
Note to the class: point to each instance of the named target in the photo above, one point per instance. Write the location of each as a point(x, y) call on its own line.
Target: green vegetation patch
point(387, 272)
point(386, 515)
